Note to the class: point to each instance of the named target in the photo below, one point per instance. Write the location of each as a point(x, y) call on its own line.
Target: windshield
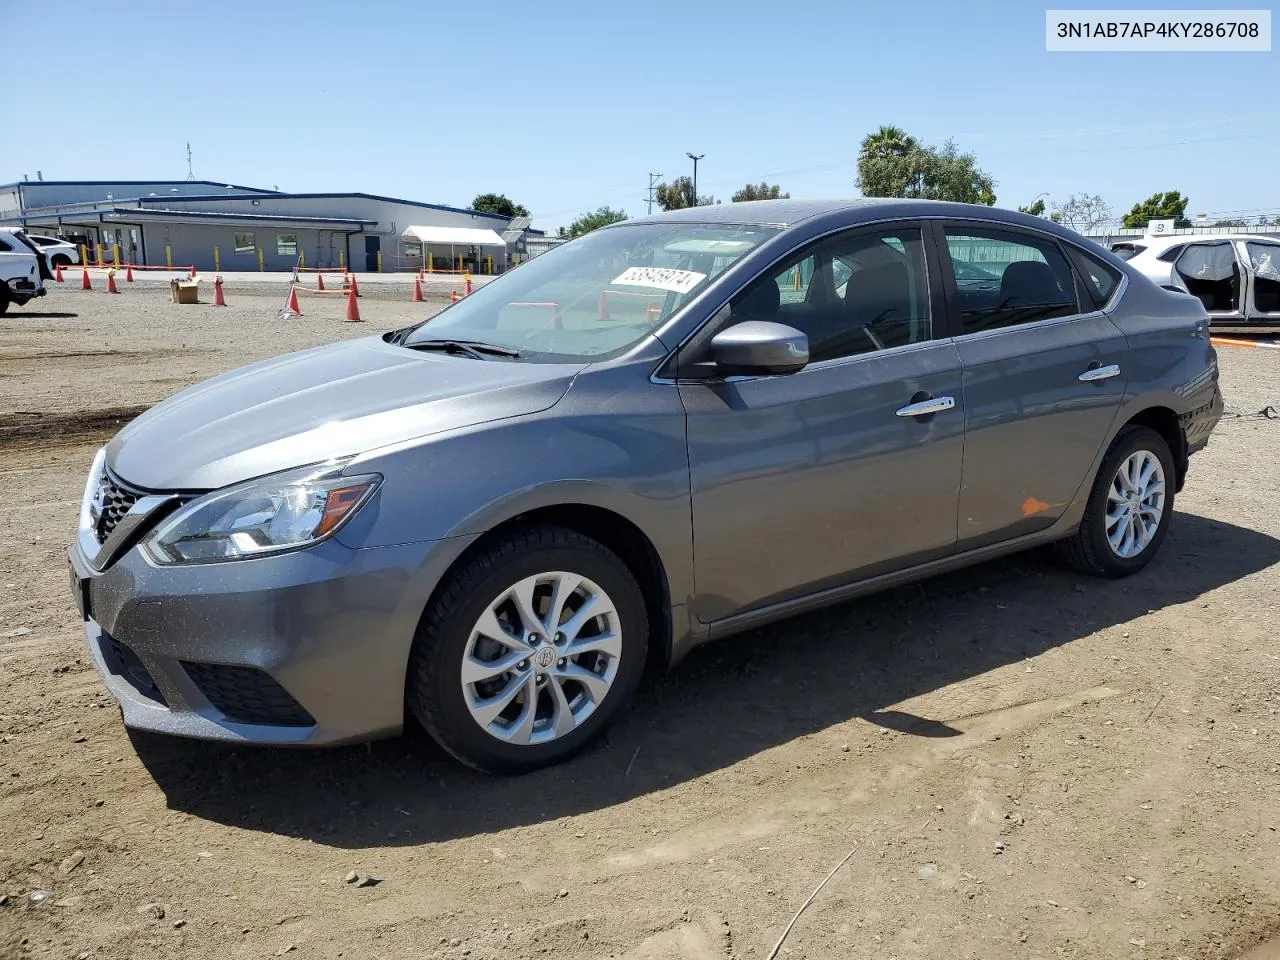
point(596, 296)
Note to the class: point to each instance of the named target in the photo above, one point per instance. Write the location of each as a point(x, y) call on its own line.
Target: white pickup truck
point(23, 269)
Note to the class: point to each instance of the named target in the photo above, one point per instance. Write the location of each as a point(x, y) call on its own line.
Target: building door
point(371, 247)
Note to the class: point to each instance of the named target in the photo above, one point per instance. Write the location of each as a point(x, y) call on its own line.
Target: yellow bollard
point(797, 278)
point(488, 265)
point(115, 254)
point(97, 253)
point(379, 261)
point(217, 260)
point(84, 255)
point(457, 264)
point(430, 264)
point(261, 261)
point(168, 257)
point(302, 258)
point(341, 263)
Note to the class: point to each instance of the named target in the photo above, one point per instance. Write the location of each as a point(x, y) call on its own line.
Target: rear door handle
point(1099, 373)
point(926, 407)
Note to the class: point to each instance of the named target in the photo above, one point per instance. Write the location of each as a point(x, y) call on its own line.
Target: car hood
point(331, 401)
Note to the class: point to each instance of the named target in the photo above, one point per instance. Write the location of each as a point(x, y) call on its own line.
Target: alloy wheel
point(541, 658)
point(1135, 504)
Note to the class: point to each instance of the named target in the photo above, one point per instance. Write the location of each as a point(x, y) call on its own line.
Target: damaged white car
point(1235, 276)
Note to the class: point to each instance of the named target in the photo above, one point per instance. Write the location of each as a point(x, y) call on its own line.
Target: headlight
point(286, 511)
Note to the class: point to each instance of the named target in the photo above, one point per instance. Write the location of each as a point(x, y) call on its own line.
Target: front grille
point(247, 695)
point(111, 503)
point(123, 662)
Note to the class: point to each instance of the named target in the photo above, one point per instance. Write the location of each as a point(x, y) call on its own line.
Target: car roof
point(787, 212)
point(1164, 243)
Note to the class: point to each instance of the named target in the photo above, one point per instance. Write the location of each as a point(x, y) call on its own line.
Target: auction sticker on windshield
point(663, 278)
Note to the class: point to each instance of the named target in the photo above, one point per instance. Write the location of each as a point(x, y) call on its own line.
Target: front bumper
point(226, 651)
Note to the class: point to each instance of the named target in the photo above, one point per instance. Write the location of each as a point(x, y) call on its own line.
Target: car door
point(847, 468)
point(1263, 302)
point(1211, 271)
point(1043, 377)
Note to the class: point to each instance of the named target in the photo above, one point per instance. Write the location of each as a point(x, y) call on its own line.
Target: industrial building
point(221, 226)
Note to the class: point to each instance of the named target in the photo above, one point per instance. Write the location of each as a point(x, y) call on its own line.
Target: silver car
point(665, 432)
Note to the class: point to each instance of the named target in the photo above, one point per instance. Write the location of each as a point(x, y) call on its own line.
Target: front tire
point(528, 650)
point(1129, 509)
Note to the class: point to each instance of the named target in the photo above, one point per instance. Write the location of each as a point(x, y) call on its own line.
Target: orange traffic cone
point(292, 304)
point(453, 296)
point(353, 308)
point(355, 288)
point(602, 312)
point(467, 280)
point(84, 280)
point(417, 289)
point(111, 281)
point(319, 281)
point(218, 299)
point(128, 273)
point(57, 272)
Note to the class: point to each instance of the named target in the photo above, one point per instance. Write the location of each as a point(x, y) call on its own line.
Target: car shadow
point(42, 315)
point(726, 702)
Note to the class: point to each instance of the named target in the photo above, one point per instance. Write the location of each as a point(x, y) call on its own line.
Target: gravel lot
point(1025, 763)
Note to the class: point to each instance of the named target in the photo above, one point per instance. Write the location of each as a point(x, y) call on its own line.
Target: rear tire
point(1107, 544)
point(461, 670)
point(60, 260)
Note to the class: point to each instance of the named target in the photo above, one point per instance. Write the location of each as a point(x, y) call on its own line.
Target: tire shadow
point(726, 702)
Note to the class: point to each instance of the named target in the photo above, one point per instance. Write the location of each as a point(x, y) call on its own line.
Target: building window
point(244, 243)
point(287, 244)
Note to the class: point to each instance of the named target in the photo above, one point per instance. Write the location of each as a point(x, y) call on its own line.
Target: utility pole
point(653, 179)
point(695, 160)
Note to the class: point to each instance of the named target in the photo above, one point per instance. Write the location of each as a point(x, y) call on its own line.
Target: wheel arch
point(1165, 422)
point(614, 531)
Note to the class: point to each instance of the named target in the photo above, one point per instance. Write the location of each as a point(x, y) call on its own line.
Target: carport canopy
point(454, 236)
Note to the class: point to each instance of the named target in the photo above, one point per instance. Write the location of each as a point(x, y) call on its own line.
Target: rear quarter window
point(1100, 277)
point(1127, 251)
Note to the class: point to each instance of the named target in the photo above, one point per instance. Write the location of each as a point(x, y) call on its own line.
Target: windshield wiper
point(472, 348)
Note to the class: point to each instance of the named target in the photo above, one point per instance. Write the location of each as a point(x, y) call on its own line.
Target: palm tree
point(889, 142)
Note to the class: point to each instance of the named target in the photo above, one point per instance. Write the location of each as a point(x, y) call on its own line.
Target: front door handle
point(1094, 374)
point(925, 408)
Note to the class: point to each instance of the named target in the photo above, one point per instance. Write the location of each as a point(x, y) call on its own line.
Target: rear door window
point(1005, 278)
point(1264, 258)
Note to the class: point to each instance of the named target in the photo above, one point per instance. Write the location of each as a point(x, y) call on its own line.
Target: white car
point(22, 269)
point(1235, 276)
point(57, 251)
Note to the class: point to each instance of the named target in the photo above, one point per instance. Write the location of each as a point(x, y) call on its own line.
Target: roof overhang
point(454, 236)
point(154, 215)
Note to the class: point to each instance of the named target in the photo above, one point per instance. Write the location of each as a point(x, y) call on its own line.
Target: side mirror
point(760, 347)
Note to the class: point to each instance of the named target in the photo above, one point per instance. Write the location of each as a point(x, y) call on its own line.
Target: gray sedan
point(665, 432)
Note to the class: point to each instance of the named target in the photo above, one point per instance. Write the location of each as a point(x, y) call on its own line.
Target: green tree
point(891, 163)
point(760, 191)
point(601, 217)
point(1035, 209)
point(499, 204)
point(1235, 222)
point(678, 194)
point(1171, 205)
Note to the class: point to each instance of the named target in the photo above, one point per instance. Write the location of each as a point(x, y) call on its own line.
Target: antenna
point(190, 175)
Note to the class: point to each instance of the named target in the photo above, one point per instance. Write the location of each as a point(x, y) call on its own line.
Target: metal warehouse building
point(220, 226)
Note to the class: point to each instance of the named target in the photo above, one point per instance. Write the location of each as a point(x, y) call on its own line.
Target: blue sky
point(565, 106)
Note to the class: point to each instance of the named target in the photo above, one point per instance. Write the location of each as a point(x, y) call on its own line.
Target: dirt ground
point(1025, 763)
